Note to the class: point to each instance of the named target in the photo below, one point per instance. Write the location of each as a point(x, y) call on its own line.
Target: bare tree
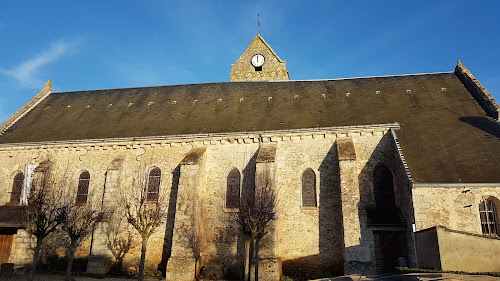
point(78, 221)
point(43, 210)
point(144, 214)
point(256, 211)
point(197, 244)
point(119, 240)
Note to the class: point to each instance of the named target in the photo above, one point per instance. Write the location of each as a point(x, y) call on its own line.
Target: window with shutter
point(28, 181)
point(309, 188)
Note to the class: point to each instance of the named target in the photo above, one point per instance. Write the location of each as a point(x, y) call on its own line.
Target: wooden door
point(5, 245)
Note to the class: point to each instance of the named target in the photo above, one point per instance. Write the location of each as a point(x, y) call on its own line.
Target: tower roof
point(258, 37)
point(259, 62)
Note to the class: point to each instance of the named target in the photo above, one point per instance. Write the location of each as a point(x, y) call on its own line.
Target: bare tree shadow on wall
point(170, 224)
point(224, 242)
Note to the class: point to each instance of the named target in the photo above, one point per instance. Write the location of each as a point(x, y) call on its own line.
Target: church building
point(371, 172)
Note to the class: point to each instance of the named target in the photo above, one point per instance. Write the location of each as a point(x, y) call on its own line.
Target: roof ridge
point(484, 98)
point(287, 81)
point(268, 46)
point(32, 103)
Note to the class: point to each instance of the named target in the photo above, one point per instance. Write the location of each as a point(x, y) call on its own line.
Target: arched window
point(153, 187)
point(83, 188)
point(489, 220)
point(233, 189)
point(383, 187)
point(309, 188)
point(17, 188)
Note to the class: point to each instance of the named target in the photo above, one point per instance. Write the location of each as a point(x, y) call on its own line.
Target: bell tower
point(259, 63)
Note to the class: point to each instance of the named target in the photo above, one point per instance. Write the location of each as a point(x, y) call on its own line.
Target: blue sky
point(83, 45)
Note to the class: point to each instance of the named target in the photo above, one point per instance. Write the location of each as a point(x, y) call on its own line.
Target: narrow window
point(28, 182)
point(17, 188)
point(488, 214)
point(83, 188)
point(309, 188)
point(383, 187)
point(233, 189)
point(153, 187)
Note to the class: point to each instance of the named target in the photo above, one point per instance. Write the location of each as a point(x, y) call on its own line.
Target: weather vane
point(258, 21)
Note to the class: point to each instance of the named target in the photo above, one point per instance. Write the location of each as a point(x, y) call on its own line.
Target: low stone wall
point(442, 248)
point(428, 248)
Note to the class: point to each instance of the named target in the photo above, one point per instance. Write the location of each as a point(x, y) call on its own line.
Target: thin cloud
point(26, 72)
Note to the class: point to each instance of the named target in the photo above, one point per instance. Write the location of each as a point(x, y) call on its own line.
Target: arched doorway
point(383, 187)
point(388, 224)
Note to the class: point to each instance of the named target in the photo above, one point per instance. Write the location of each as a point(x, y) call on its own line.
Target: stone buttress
point(182, 262)
point(357, 251)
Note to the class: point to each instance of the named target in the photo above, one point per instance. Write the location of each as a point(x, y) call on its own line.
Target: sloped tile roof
point(445, 135)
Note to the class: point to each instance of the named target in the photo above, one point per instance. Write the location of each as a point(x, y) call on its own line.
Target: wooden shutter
point(5, 246)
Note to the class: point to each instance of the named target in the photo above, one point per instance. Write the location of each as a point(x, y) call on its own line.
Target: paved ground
point(52, 277)
point(414, 277)
point(404, 277)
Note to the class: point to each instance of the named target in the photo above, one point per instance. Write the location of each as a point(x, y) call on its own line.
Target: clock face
point(258, 60)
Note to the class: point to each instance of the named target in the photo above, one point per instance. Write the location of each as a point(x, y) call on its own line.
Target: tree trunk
point(143, 257)
point(196, 269)
point(70, 262)
point(120, 265)
point(256, 262)
point(36, 258)
point(247, 259)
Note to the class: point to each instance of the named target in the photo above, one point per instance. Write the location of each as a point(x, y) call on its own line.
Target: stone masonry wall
point(21, 248)
point(71, 161)
point(273, 68)
point(453, 207)
point(385, 152)
point(308, 239)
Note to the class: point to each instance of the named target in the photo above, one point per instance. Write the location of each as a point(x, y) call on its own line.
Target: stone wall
point(273, 68)
point(447, 251)
point(454, 207)
point(21, 252)
point(483, 97)
point(304, 239)
point(372, 151)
